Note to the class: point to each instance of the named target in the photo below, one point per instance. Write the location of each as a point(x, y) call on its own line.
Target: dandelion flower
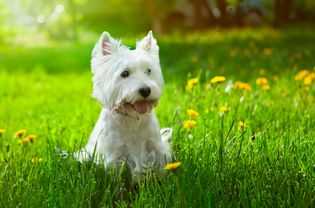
point(243, 86)
point(237, 85)
point(31, 137)
point(224, 109)
point(26, 140)
point(20, 133)
point(191, 83)
point(261, 81)
point(218, 79)
point(242, 124)
point(189, 124)
point(2, 131)
point(266, 87)
point(309, 79)
point(36, 160)
point(301, 75)
point(267, 51)
point(172, 166)
point(192, 113)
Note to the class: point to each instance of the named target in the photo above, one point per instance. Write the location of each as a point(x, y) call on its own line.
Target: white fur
point(121, 133)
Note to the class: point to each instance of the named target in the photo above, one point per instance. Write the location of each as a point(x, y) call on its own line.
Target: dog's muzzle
point(140, 106)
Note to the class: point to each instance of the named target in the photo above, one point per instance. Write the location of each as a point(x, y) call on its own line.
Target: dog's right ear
point(106, 45)
point(150, 45)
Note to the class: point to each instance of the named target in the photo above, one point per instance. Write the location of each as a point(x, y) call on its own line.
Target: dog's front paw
point(82, 155)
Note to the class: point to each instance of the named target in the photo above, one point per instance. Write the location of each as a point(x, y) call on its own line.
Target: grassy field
point(252, 143)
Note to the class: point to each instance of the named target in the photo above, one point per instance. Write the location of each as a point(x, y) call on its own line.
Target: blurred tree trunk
point(282, 12)
point(202, 13)
point(287, 10)
point(223, 15)
point(155, 19)
point(238, 19)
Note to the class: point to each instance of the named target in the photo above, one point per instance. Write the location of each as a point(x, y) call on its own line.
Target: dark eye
point(148, 72)
point(124, 74)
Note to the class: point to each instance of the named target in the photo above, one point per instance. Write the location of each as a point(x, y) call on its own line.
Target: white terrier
point(128, 84)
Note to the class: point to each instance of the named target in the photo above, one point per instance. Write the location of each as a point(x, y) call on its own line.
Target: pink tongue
point(141, 106)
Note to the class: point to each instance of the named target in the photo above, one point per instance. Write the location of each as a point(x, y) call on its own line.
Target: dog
point(128, 84)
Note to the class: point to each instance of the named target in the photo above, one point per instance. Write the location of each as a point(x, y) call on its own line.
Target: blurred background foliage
point(69, 19)
point(57, 36)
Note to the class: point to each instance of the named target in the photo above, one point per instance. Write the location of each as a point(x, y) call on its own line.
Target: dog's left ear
point(149, 44)
point(106, 45)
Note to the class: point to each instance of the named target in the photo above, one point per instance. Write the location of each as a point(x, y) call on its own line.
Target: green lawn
point(268, 163)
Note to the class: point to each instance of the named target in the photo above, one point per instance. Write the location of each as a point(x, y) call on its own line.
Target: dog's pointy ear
point(149, 44)
point(106, 45)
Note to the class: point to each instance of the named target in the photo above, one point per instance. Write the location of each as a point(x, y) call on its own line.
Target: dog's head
point(127, 81)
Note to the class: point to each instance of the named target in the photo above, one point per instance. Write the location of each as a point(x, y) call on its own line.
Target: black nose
point(145, 91)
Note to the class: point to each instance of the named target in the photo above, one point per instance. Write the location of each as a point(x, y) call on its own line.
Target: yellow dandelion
point(194, 58)
point(2, 131)
point(192, 113)
point(309, 79)
point(301, 75)
point(306, 89)
point(266, 87)
point(243, 86)
point(218, 79)
point(242, 124)
point(237, 84)
point(267, 51)
point(20, 133)
point(224, 109)
point(191, 83)
point(172, 166)
point(37, 160)
point(31, 138)
point(25, 140)
point(189, 124)
point(261, 81)
point(206, 111)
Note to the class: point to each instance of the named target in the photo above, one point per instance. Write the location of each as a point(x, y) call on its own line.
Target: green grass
point(270, 163)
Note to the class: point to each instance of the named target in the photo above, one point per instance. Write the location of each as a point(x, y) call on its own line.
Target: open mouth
point(141, 106)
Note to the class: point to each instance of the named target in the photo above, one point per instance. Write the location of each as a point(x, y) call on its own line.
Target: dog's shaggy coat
point(128, 85)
